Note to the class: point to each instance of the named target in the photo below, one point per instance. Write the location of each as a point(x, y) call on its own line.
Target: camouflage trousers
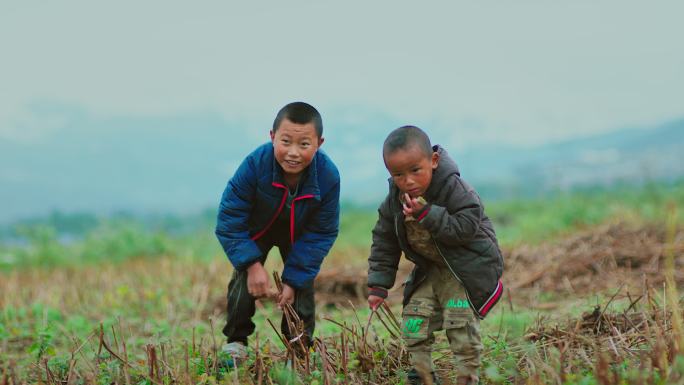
point(440, 303)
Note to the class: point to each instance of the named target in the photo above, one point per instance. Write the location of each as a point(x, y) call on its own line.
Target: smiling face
point(411, 169)
point(294, 146)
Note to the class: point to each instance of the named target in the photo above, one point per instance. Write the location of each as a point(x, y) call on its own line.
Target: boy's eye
point(416, 169)
point(305, 144)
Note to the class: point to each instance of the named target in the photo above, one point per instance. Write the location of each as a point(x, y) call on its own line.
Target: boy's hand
point(374, 302)
point(413, 206)
point(258, 284)
point(287, 296)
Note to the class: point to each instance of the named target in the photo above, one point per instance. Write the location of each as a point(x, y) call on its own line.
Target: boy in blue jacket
point(284, 194)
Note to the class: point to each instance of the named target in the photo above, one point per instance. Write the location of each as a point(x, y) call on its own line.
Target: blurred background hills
point(181, 164)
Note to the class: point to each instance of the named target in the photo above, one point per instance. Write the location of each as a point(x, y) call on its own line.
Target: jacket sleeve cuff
point(422, 213)
point(378, 292)
point(298, 285)
point(247, 265)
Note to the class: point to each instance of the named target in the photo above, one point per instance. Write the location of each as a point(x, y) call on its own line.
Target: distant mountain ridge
point(628, 155)
point(182, 164)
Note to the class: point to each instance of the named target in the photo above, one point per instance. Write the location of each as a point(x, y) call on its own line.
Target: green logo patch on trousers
point(412, 326)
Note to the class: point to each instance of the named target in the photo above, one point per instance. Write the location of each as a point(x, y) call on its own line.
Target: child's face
point(411, 169)
point(295, 146)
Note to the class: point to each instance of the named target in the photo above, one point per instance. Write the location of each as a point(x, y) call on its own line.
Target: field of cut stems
point(596, 302)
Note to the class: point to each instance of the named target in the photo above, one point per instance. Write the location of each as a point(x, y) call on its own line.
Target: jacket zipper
point(292, 215)
point(275, 216)
point(396, 230)
point(477, 313)
point(458, 279)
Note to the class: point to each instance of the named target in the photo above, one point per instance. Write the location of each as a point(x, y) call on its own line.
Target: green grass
point(531, 221)
point(61, 240)
point(160, 282)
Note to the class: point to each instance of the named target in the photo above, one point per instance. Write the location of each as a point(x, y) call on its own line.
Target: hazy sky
point(520, 72)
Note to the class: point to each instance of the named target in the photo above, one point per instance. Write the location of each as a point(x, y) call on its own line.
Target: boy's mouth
point(292, 163)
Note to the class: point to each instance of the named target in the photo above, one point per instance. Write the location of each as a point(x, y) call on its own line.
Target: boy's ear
point(435, 160)
point(320, 141)
point(272, 135)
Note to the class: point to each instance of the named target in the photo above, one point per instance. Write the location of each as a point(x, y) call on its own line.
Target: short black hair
point(300, 113)
point(405, 137)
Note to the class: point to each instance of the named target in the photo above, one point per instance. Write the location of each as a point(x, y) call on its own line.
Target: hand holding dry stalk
point(286, 296)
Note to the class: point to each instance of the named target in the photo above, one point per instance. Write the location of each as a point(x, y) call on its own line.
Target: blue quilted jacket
point(255, 197)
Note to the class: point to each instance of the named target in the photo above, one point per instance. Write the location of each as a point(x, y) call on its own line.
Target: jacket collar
point(446, 167)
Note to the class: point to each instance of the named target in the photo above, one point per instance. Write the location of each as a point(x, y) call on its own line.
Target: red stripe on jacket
point(492, 300)
point(280, 208)
point(292, 212)
point(277, 213)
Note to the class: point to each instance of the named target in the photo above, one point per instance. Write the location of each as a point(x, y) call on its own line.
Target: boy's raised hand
point(412, 206)
point(374, 302)
point(258, 283)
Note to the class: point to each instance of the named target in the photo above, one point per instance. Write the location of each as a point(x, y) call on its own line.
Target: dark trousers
point(241, 308)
